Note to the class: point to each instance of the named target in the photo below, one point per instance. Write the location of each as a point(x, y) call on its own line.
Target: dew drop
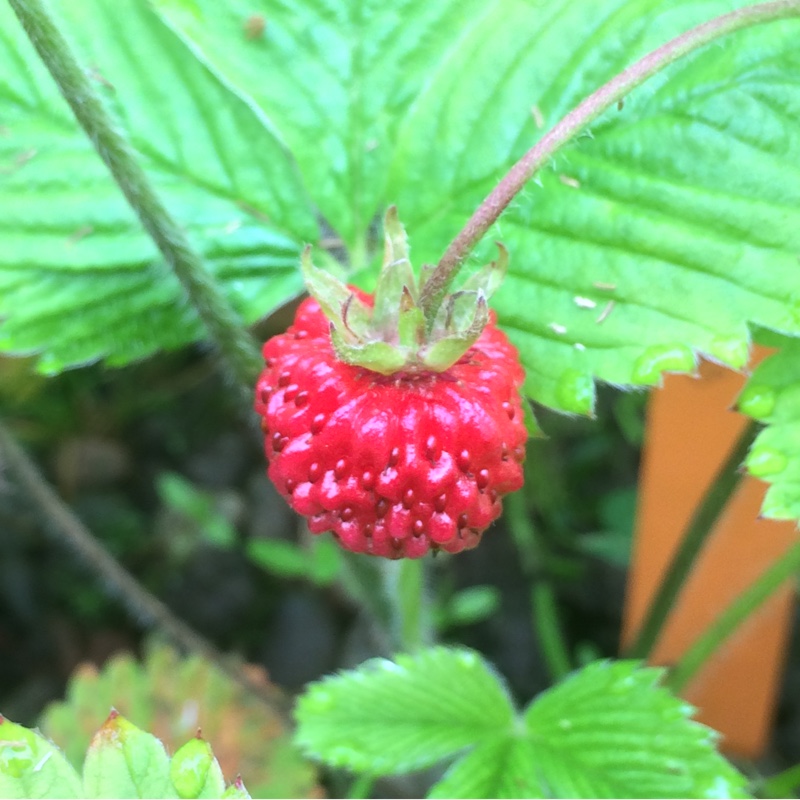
point(648, 367)
point(575, 392)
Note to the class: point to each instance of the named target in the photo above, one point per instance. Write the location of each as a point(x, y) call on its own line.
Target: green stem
point(576, 120)
point(784, 784)
point(726, 623)
point(143, 607)
point(222, 322)
point(544, 606)
point(407, 594)
point(700, 528)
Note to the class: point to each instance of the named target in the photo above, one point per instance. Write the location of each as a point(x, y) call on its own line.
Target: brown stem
point(144, 607)
point(587, 111)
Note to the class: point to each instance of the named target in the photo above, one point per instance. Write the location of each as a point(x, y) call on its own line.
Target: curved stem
point(587, 111)
point(221, 320)
point(700, 528)
point(145, 608)
point(733, 616)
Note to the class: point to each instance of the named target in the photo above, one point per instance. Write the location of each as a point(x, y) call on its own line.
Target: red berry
point(395, 465)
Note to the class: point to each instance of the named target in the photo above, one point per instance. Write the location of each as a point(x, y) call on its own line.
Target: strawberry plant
point(173, 171)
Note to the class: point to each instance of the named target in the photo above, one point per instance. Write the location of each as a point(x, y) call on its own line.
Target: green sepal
point(489, 277)
point(446, 352)
point(396, 274)
point(339, 302)
point(411, 324)
point(376, 356)
point(394, 334)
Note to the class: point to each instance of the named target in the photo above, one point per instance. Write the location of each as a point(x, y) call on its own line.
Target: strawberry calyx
point(393, 334)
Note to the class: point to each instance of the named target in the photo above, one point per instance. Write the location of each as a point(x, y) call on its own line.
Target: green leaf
point(503, 766)
point(32, 767)
point(79, 279)
point(656, 236)
point(195, 772)
point(173, 697)
point(396, 716)
point(335, 80)
point(772, 396)
point(611, 731)
point(469, 606)
point(123, 761)
point(640, 245)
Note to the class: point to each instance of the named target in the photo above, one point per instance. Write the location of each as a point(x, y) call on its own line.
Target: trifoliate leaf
point(124, 761)
point(772, 396)
point(32, 767)
point(395, 716)
point(611, 731)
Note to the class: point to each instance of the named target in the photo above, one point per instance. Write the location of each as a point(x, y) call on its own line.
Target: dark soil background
point(105, 437)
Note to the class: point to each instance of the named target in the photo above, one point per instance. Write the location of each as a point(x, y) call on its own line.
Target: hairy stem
point(576, 120)
point(144, 608)
point(700, 527)
point(749, 601)
point(544, 606)
point(223, 324)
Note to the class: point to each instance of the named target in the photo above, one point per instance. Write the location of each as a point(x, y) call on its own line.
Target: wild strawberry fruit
point(397, 435)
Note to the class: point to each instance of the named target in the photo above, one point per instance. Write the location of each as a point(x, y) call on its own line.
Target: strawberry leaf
point(79, 278)
point(32, 767)
point(195, 772)
point(611, 731)
point(123, 761)
point(772, 396)
point(173, 697)
point(396, 716)
point(657, 236)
